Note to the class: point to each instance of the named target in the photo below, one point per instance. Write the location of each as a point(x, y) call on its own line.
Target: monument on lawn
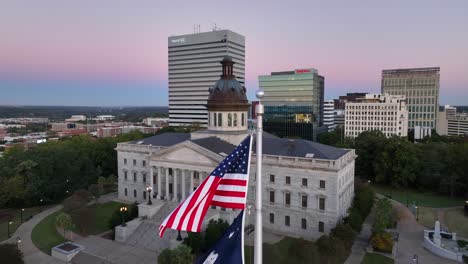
point(437, 236)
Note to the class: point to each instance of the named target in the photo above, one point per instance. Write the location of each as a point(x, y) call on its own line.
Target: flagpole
point(258, 197)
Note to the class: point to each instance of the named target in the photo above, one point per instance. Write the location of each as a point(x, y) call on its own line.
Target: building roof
point(215, 145)
point(163, 140)
point(300, 148)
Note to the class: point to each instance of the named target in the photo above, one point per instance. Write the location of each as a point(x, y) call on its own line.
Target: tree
point(95, 190)
point(331, 249)
point(179, 255)
point(63, 221)
point(214, 231)
point(11, 254)
point(83, 219)
point(195, 241)
point(303, 251)
point(345, 233)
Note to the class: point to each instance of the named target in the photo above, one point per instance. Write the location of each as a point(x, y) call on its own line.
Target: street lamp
point(22, 210)
point(417, 213)
point(40, 205)
point(149, 189)
point(9, 223)
point(18, 241)
point(415, 259)
point(123, 209)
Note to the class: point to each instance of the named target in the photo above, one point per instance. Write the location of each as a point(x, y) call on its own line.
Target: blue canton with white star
point(236, 162)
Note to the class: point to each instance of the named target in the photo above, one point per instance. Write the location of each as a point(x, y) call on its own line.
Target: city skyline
point(115, 54)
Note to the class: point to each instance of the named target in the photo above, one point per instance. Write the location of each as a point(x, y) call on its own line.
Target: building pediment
point(187, 153)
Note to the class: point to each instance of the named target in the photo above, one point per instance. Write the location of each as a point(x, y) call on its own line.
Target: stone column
point(151, 181)
point(174, 185)
point(192, 173)
point(183, 184)
point(159, 182)
point(167, 185)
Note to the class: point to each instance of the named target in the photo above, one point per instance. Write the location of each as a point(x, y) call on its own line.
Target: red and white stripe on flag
point(225, 187)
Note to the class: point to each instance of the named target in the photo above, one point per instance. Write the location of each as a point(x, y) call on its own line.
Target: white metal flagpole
point(258, 197)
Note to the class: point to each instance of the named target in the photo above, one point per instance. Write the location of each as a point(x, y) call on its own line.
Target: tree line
point(436, 163)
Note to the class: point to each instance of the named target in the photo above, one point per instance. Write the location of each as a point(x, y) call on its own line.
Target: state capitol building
point(308, 187)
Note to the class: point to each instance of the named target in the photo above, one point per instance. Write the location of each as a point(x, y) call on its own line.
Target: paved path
point(31, 253)
point(361, 242)
point(411, 238)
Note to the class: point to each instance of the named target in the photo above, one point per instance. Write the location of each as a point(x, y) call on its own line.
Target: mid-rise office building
point(386, 113)
point(339, 118)
point(329, 115)
point(420, 86)
point(349, 97)
point(293, 103)
point(451, 123)
point(194, 67)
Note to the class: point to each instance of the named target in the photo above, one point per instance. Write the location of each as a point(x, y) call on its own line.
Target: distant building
point(72, 132)
point(194, 67)
point(420, 86)
point(3, 133)
point(328, 115)
point(56, 127)
point(386, 113)
point(422, 132)
point(349, 97)
point(157, 122)
point(117, 130)
point(104, 117)
point(451, 123)
point(108, 132)
point(293, 103)
point(76, 118)
point(339, 118)
point(25, 120)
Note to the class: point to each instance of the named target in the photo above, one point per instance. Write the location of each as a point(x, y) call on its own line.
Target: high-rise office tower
point(293, 103)
point(420, 86)
point(329, 115)
point(194, 67)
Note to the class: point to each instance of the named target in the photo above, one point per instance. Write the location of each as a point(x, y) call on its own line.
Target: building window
point(286, 220)
point(134, 162)
point(272, 196)
point(321, 227)
point(125, 161)
point(322, 203)
point(196, 175)
point(272, 178)
point(322, 184)
point(134, 176)
point(288, 179)
point(144, 163)
point(220, 119)
point(144, 177)
point(272, 218)
point(214, 119)
point(125, 175)
point(304, 223)
point(144, 195)
point(234, 123)
point(243, 119)
point(134, 193)
point(229, 119)
point(304, 201)
point(304, 182)
point(170, 171)
point(125, 191)
point(154, 179)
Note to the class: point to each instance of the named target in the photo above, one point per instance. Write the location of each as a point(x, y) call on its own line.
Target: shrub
point(96, 190)
point(83, 218)
point(179, 255)
point(11, 254)
point(383, 216)
point(345, 233)
point(195, 241)
point(303, 251)
point(85, 194)
point(332, 250)
point(382, 242)
point(462, 243)
point(63, 221)
point(354, 220)
point(364, 200)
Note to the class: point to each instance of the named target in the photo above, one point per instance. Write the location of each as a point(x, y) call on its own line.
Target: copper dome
point(227, 94)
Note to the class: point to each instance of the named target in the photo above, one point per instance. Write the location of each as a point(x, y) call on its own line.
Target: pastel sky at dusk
point(114, 52)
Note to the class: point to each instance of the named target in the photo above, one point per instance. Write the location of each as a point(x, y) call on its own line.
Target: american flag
point(226, 187)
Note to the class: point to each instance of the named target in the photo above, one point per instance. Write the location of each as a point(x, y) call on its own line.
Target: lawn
point(421, 198)
point(45, 235)
point(373, 258)
point(14, 215)
point(101, 215)
point(457, 222)
point(427, 216)
point(277, 253)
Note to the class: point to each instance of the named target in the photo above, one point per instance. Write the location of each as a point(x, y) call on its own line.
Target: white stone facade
point(386, 113)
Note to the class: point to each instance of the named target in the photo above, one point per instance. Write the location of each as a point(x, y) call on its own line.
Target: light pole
point(123, 209)
point(417, 213)
point(149, 189)
point(9, 223)
point(40, 205)
point(22, 210)
point(415, 259)
point(18, 241)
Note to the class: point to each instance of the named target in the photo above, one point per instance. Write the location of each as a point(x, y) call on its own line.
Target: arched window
point(214, 119)
point(134, 193)
point(243, 119)
point(125, 191)
point(235, 120)
point(229, 119)
point(220, 119)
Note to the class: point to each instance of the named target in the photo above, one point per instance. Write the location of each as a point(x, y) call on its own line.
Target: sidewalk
point(358, 250)
point(32, 254)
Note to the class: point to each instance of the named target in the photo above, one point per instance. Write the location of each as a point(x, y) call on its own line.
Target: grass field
point(102, 214)
point(373, 258)
point(45, 235)
point(457, 222)
point(427, 216)
point(14, 215)
point(421, 199)
point(277, 253)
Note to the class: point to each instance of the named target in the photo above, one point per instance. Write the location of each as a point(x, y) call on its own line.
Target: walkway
point(411, 238)
point(361, 242)
point(31, 253)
